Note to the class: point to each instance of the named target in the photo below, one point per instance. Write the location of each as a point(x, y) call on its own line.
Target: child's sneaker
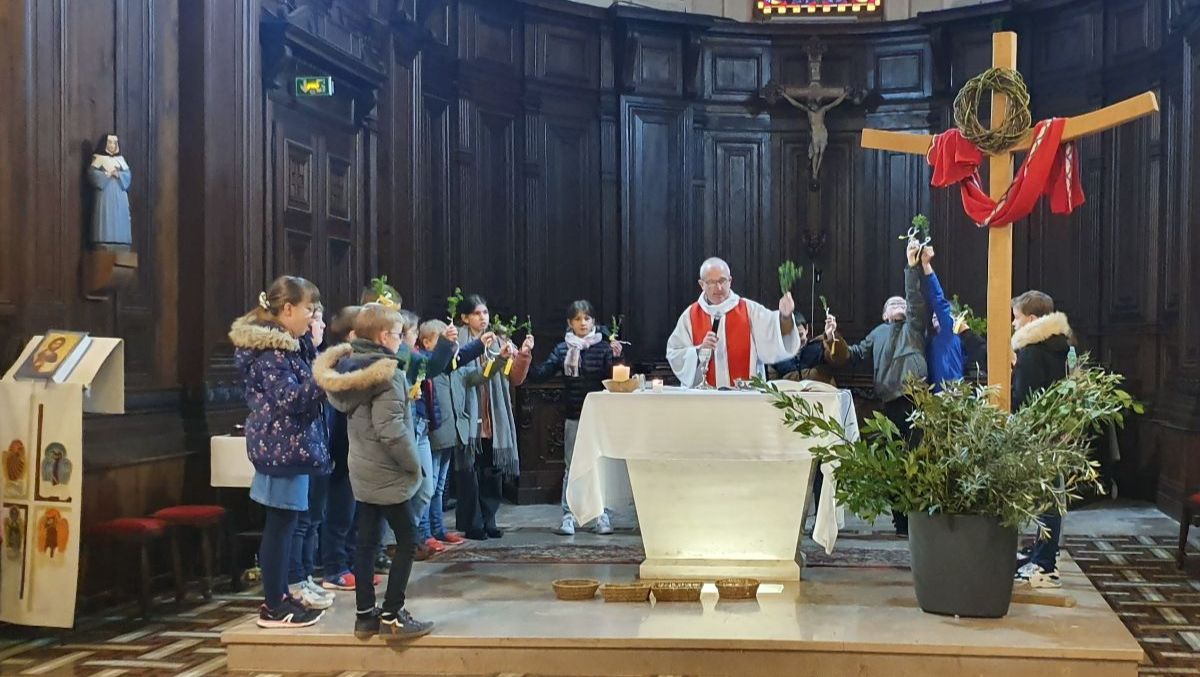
point(342, 581)
point(289, 614)
point(1037, 577)
point(366, 624)
point(451, 538)
point(567, 528)
point(316, 588)
point(402, 624)
point(603, 525)
point(383, 563)
point(310, 598)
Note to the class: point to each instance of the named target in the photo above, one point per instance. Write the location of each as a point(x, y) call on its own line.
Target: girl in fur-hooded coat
point(1040, 350)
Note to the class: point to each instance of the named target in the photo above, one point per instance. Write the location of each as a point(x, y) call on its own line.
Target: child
point(421, 411)
point(365, 381)
point(491, 453)
point(337, 532)
point(810, 362)
point(944, 354)
point(308, 524)
point(897, 351)
point(284, 432)
point(449, 427)
point(1042, 342)
point(585, 359)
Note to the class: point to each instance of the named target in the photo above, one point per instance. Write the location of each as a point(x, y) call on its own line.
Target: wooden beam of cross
point(1000, 166)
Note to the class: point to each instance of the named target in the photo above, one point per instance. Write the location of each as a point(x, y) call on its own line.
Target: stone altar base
point(495, 619)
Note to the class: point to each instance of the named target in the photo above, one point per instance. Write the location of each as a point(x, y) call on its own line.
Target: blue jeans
point(419, 503)
point(337, 546)
point(308, 527)
point(1045, 549)
point(274, 553)
point(433, 524)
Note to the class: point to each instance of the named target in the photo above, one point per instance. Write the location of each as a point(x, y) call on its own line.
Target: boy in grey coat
point(366, 380)
point(896, 349)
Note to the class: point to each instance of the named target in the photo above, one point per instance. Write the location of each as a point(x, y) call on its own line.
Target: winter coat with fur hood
point(285, 430)
point(364, 380)
point(1041, 349)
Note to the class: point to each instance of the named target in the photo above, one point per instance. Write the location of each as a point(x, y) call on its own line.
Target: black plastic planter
point(962, 565)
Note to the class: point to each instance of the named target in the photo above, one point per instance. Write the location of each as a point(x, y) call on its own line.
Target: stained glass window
point(816, 7)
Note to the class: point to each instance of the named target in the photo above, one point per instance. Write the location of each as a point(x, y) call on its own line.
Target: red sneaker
point(434, 545)
point(452, 538)
point(376, 580)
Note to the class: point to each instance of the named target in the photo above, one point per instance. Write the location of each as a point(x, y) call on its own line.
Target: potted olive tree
point(974, 475)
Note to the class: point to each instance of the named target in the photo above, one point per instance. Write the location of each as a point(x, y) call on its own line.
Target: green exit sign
point(314, 85)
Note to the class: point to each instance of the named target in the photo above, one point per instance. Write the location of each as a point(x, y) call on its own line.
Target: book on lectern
point(55, 357)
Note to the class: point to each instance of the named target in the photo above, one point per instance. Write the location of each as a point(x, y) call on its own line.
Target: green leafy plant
point(384, 292)
point(919, 232)
point(973, 458)
point(824, 305)
point(452, 302)
point(509, 328)
point(789, 273)
point(614, 327)
point(974, 322)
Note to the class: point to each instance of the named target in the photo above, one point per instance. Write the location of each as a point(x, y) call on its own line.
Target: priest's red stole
point(737, 340)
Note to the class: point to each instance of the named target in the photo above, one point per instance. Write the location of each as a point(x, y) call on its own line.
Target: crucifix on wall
point(815, 99)
point(1050, 168)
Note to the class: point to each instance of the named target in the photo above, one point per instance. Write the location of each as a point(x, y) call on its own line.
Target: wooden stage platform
point(503, 618)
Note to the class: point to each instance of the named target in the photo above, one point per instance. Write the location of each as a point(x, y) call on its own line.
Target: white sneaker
point(603, 525)
point(316, 588)
point(309, 598)
point(567, 528)
point(1037, 577)
point(1025, 571)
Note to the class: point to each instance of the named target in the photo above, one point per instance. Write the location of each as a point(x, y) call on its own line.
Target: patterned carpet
point(1158, 603)
point(574, 553)
point(1137, 575)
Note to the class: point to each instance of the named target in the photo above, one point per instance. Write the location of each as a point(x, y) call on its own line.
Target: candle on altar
point(656, 385)
point(620, 372)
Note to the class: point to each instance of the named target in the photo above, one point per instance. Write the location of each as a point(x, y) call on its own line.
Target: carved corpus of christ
point(815, 99)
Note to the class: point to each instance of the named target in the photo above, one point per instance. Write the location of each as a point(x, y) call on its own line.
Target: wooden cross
point(1004, 55)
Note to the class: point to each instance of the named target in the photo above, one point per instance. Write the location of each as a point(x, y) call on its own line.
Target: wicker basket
point(677, 591)
point(575, 589)
point(626, 592)
point(737, 588)
point(632, 384)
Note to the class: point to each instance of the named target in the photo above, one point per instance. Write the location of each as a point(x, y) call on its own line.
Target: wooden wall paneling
point(735, 225)
point(735, 70)
point(611, 254)
point(1189, 339)
point(658, 276)
point(490, 37)
point(652, 62)
point(16, 18)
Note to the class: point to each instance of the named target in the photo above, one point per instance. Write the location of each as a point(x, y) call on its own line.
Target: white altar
point(719, 483)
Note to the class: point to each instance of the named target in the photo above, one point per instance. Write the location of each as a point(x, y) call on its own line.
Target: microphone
point(717, 322)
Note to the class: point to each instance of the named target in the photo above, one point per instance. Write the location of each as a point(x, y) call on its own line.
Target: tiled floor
point(185, 641)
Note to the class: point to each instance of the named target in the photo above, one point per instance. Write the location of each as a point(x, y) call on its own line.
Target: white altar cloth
point(719, 482)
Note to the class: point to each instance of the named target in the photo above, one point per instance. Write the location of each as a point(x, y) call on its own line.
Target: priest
point(741, 336)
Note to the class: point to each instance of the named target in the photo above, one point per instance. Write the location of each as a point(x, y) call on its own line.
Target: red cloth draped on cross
point(1052, 168)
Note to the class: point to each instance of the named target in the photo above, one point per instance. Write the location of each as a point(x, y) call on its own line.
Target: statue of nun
point(110, 177)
